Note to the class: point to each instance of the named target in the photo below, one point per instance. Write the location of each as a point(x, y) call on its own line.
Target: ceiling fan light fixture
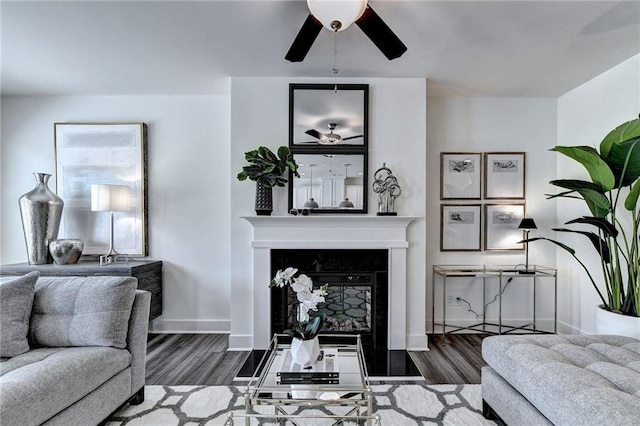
point(346, 12)
point(329, 142)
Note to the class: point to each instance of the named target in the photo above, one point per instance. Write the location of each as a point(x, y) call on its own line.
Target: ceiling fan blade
point(304, 40)
point(352, 137)
point(380, 34)
point(313, 132)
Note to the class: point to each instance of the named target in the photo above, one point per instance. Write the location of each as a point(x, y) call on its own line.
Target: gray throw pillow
point(82, 311)
point(16, 299)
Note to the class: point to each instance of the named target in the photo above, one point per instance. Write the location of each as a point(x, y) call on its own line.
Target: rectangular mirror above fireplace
point(328, 135)
point(333, 181)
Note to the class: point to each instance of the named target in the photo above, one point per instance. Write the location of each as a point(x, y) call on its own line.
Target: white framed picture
point(504, 175)
point(460, 175)
point(501, 226)
point(102, 153)
point(460, 227)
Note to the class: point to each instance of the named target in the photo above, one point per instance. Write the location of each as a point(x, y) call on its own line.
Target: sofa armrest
point(137, 338)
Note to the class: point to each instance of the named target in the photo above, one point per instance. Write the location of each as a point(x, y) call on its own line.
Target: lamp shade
point(527, 223)
point(344, 11)
point(110, 198)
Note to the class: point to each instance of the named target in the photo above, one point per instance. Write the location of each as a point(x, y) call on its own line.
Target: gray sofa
point(75, 352)
point(562, 380)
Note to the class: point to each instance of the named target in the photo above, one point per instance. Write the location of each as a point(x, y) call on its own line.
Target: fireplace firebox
point(357, 293)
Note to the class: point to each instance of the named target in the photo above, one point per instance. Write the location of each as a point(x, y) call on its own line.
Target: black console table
point(148, 273)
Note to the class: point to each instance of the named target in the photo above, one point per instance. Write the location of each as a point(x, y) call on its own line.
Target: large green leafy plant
point(612, 198)
point(267, 168)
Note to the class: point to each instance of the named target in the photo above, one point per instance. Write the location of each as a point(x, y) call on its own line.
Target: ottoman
point(563, 380)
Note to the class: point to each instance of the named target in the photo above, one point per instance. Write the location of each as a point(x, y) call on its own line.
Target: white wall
point(483, 125)
point(259, 116)
point(196, 146)
point(189, 189)
point(585, 116)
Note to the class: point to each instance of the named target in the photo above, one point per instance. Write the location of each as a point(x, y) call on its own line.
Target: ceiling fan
point(337, 16)
point(330, 138)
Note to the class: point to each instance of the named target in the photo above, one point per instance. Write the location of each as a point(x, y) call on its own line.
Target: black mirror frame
point(333, 149)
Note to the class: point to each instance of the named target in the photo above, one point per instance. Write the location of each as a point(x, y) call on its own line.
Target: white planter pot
point(305, 352)
point(608, 322)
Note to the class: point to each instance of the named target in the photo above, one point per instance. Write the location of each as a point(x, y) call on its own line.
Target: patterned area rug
point(396, 405)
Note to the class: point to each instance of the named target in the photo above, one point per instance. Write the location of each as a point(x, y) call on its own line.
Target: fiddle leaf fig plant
point(612, 198)
point(267, 168)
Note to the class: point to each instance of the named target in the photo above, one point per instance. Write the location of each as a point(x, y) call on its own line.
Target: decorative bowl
point(66, 251)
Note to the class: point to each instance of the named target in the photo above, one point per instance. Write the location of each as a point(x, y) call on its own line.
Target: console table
point(148, 273)
point(504, 275)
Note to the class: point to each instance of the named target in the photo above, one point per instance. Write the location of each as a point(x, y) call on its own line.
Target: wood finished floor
point(203, 359)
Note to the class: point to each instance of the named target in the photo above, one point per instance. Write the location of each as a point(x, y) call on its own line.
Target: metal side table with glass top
point(348, 393)
point(534, 276)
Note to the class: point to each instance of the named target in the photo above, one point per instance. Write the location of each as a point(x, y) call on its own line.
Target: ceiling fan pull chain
point(336, 26)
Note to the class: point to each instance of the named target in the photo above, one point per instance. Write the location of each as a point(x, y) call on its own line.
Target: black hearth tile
point(252, 362)
point(382, 363)
point(392, 363)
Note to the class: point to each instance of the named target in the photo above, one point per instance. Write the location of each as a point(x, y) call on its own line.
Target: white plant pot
point(305, 352)
point(608, 322)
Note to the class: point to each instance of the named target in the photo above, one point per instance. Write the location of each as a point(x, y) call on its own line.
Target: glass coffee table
point(338, 383)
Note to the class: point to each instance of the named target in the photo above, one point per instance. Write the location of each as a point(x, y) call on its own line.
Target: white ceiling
point(473, 48)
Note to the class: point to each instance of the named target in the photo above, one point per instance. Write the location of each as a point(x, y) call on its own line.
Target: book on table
point(324, 371)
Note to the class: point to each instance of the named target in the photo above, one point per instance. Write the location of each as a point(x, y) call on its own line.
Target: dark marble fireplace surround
point(338, 267)
point(366, 270)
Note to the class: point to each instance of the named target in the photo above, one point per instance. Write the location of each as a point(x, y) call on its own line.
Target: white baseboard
point(160, 325)
point(564, 328)
point(417, 342)
point(545, 324)
point(240, 342)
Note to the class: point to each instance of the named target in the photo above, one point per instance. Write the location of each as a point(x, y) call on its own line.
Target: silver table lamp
point(111, 198)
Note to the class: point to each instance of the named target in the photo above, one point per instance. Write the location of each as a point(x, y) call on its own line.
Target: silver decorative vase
point(264, 200)
point(40, 210)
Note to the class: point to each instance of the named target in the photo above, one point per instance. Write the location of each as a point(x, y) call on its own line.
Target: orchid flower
point(308, 299)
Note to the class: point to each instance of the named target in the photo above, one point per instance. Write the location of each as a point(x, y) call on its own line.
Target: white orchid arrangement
point(308, 299)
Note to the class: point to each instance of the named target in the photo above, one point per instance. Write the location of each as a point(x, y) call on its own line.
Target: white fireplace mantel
point(331, 232)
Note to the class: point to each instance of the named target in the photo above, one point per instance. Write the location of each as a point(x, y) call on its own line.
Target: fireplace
point(357, 293)
point(253, 329)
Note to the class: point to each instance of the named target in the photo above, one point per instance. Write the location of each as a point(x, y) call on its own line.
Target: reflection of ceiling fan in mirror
point(330, 138)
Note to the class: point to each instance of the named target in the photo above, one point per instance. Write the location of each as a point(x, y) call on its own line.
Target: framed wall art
point(109, 154)
point(460, 175)
point(501, 226)
point(460, 227)
point(504, 176)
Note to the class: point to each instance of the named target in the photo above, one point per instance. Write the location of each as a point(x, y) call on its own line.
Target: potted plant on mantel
point(612, 198)
point(266, 169)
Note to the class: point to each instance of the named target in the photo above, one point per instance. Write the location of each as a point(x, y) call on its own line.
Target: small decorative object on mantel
point(66, 251)
point(385, 184)
point(266, 169)
point(305, 347)
point(40, 210)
